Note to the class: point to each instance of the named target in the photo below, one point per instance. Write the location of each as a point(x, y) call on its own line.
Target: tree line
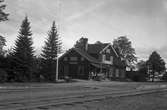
point(19, 64)
point(148, 70)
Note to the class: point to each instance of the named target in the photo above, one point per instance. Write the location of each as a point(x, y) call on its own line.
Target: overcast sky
point(143, 21)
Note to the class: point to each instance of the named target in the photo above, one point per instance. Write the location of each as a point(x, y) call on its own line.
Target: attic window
point(73, 58)
point(65, 59)
point(108, 51)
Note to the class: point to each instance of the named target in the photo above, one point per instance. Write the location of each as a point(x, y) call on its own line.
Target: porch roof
point(104, 66)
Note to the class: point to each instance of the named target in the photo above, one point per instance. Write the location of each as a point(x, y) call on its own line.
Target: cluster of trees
point(152, 68)
point(20, 64)
point(147, 70)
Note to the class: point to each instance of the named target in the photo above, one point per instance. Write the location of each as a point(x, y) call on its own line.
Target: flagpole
point(57, 61)
point(57, 68)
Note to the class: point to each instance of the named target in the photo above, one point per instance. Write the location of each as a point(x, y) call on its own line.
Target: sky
point(144, 22)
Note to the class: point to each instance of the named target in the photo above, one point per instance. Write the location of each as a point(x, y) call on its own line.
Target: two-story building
point(98, 58)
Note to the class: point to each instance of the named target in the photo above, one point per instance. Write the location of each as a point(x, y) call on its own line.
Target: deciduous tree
point(2, 44)
point(81, 43)
point(124, 48)
point(3, 15)
point(156, 64)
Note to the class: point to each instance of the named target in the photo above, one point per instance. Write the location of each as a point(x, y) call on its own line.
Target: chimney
point(85, 43)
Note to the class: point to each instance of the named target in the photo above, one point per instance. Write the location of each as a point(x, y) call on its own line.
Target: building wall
point(76, 66)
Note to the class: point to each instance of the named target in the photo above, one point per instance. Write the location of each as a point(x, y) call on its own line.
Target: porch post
point(100, 67)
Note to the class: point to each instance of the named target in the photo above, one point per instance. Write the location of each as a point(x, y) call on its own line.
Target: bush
point(67, 79)
point(164, 77)
point(3, 75)
point(137, 76)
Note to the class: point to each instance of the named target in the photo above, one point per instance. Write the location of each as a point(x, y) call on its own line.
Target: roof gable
point(96, 48)
point(112, 49)
point(86, 55)
point(83, 54)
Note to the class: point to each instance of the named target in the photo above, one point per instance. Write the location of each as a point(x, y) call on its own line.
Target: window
point(107, 57)
point(108, 51)
point(82, 59)
point(80, 70)
point(103, 57)
point(111, 72)
point(117, 73)
point(111, 59)
point(65, 59)
point(73, 58)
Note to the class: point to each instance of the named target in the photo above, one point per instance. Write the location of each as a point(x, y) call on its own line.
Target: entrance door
point(73, 70)
point(66, 70)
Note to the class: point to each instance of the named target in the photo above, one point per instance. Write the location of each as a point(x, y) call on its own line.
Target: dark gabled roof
point(83, 54)
point(86, 55)
point(100, 65)
point(96, 48)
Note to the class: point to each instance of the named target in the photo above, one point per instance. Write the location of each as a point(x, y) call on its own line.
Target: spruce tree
point(23, 52)
point(50, 52)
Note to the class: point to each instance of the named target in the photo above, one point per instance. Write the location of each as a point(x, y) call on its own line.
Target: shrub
point(3, 75)
point(164, 77)
point(137, 76)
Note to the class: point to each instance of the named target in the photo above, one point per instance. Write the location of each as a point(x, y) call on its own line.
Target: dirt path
point(29, 95)
point(155, 101)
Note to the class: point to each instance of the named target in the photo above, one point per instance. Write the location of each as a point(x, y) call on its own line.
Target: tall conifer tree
point(50, 52)
point(23, 52)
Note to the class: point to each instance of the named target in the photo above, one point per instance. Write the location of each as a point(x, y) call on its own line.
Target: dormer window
point(107, 50)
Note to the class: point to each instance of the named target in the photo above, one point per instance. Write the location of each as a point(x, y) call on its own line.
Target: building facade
point(98, 58)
